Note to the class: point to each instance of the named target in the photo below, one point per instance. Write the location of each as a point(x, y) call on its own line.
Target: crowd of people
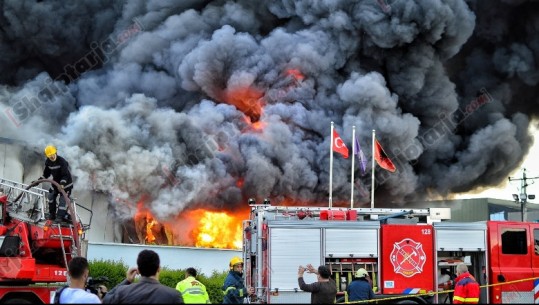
point(148, 289)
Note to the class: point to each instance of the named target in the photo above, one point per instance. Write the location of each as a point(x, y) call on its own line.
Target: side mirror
point(501, 278)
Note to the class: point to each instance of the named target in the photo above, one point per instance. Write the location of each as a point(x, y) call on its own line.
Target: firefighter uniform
point(234, 290)
point(466, 289)
point(58, 168)
point(193, 291)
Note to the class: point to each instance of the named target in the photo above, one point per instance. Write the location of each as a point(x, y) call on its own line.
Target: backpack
point(57, 294)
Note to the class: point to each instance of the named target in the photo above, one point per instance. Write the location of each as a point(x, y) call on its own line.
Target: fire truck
point(403, 251)
point(34, 252)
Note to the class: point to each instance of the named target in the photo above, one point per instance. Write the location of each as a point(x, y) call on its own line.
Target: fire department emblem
point(408, 257)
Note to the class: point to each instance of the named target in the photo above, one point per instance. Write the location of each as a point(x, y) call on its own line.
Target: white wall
point(103, 227)
point(204, 260)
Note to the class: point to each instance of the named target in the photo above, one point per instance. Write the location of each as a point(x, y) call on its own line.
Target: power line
point(523, 197)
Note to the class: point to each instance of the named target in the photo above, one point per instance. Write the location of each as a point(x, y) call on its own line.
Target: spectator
point(148, 290)
point(193, 291)
point(76, 292)
point(324, 290)
point(466, 287)
point(360, 289)
point(233, 288)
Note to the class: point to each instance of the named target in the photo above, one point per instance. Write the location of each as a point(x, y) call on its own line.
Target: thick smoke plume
point(208, 103)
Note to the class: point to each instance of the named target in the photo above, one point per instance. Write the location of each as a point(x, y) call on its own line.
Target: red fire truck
point(402, 250)
point(34, 252)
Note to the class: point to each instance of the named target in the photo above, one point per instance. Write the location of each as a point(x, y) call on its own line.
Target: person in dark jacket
point(148, 290)
point(233, 288)
point(360, 288)
point(466, 287)
point(58, 168)
point(324, 290)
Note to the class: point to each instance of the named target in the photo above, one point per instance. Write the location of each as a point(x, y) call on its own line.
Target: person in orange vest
point(466, 287)
point(192, 290)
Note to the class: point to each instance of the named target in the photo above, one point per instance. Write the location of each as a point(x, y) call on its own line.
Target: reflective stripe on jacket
point(233, 289)
point(193, 291)
point(466, 290)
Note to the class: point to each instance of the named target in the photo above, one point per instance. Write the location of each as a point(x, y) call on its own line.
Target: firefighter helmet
point(361, 272)
point(50, 150)
point(234, 261)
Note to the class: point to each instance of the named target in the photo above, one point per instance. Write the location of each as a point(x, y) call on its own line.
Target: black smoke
point(134, 94)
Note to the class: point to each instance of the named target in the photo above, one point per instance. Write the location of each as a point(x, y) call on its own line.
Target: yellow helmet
point(50, 150)
point(234, 261)
point(361, 272)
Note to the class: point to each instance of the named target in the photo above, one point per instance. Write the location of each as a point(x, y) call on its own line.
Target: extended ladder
point(31, 205)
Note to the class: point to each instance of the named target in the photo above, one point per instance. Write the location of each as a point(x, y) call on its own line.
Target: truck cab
point(514, 261)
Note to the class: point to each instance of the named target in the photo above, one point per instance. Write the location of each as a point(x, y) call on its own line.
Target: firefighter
point(193, 291)
point(234, 290)
point(58, 168)
point(466, 287)
point(360, 289)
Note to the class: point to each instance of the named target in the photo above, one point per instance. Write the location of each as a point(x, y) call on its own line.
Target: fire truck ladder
point(379, 214)
point(26, 204)
point(25, 199)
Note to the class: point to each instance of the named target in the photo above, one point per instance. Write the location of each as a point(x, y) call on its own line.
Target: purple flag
point(360, 156)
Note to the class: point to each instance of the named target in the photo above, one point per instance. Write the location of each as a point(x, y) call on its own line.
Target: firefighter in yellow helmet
point(192, 290)
point(234, 289)
point(58, 168)
point(360, 289)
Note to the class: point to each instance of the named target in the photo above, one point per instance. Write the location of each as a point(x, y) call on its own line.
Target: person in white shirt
point(444, 283)
point(76, 292)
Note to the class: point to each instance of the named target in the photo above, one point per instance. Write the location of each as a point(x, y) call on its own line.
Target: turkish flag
point(338, 145)
point(381, 158)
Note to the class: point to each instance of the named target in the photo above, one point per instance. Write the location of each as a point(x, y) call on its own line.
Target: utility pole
point(523, 198)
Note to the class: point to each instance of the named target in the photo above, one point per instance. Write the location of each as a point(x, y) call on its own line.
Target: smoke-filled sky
point(208, 103)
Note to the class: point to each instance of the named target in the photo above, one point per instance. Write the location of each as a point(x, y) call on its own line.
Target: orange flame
point(240, 182)
point(198, 228)
point(149, 234)
point(217, 229)
point(295, 73)
point(258, 125)
point(246, 99)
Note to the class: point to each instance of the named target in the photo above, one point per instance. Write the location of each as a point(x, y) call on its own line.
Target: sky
point(174, 105)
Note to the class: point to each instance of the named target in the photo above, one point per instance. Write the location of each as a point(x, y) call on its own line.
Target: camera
point(93, 285)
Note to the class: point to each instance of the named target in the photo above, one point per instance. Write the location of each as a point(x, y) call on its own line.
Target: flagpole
point(352, 175)
point(331, 168)
point(372, 170)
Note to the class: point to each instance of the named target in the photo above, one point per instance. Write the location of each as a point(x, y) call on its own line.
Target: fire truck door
point(535, 255)
point(514, 263)
point(288, 249)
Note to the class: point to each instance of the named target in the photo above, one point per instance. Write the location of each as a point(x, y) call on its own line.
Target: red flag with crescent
point(338, 145)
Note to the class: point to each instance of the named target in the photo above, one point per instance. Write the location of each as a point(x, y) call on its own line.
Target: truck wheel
point(17, 301)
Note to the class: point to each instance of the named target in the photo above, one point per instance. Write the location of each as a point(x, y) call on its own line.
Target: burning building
point(173, 114)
